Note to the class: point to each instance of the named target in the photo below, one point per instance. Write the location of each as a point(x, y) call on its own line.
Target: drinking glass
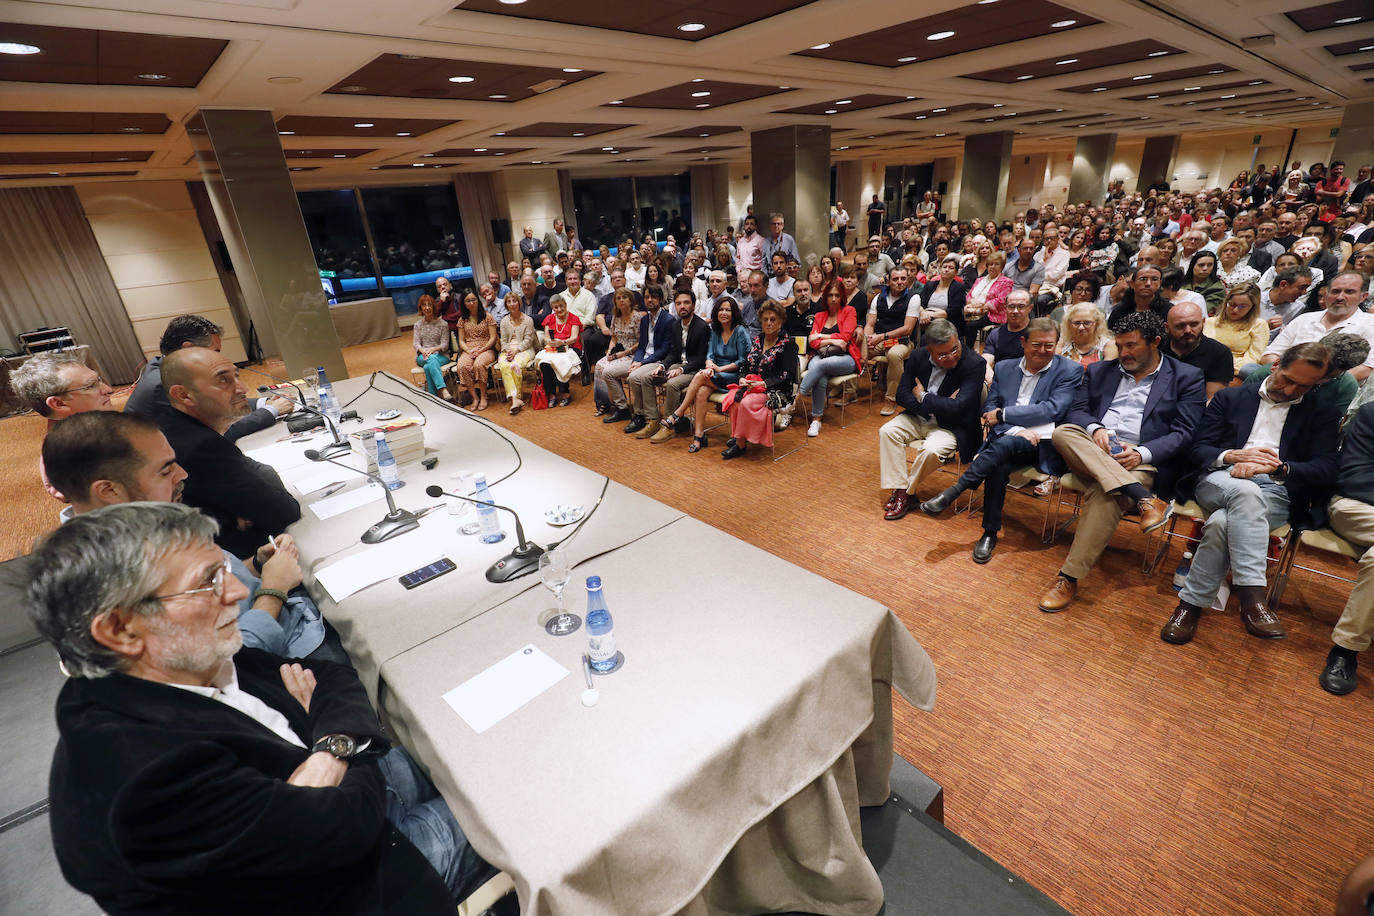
point(555, 571)
point(465, 484)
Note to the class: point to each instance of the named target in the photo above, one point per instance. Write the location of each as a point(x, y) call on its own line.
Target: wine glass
point(555, 571)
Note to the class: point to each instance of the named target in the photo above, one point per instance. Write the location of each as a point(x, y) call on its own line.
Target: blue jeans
point(1235, 535)
point(433, 364)
point(414, 808)
point(819, 371)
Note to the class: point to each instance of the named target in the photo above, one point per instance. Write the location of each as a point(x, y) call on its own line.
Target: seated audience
point(1083, 334)
point(1262, 455)
point(892, 318)
point(1027, 398)
point(272, 790)
point(1141, 295)
point(446, 304)
point(1185, 342)
point(1171, 281)
point(690, 338)
point(1231, 270)
point(477, 338)
point(985, 304)
point(1343, 311)
point(429, 335)
point(1286, 299)
point(1240, 326)
point(615, 365)
point(799, 314)
point(1352, 517)
point(1130, 425)
point(1005, 340)
point(768, 379)
point(1339, 389)
point(940, 393)
point(649, 363)
point(1201, 278)
point(833, 349)
point(519, 344)
point(55, 386)
point(943, 296)
point(245, 497)
point(729, 344)
point(561, 357)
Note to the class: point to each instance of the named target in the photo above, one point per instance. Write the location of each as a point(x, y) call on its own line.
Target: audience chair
point(1192, 512)
point(1323, 539)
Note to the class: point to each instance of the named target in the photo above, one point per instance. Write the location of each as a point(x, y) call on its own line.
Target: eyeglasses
point(216, 586)
point(1083, 324)
point(95, 383)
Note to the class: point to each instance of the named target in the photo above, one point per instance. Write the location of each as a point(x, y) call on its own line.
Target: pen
point(333, 488)
point(271, 539)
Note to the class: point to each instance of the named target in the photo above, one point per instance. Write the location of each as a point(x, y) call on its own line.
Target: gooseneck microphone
point(397, 521)
point(332, 450)
point(521, 561)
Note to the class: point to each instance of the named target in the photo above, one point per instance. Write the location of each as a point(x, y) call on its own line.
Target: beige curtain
point(52, 273)
point(477, 205)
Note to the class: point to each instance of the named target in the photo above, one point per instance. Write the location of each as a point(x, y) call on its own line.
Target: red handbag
point(539, 398)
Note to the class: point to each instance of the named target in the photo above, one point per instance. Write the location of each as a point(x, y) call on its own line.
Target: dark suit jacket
point(1172, 411)
point(698, 339)
point(532, 248)
point(165, 801)
point(664, 326)
point(1308, 443)
point(1050, 401)
point(227, 485)
point(149, 399)
point(955, 404)
point(957, 295)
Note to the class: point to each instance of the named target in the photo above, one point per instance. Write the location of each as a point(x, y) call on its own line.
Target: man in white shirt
point(700, 291)
point(839, 225)
point(1054, 258)
point(780, 284)
point(1343, 299)
point(580, 300)
point(715, 286)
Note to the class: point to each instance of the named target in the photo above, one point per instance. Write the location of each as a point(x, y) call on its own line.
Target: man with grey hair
point(55, 386)
point(779, 241)
point(195, 776)
point(716, 284)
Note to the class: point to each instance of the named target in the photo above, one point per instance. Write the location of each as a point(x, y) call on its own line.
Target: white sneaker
point(782, 421)
point(889, 408)
point(814, 429)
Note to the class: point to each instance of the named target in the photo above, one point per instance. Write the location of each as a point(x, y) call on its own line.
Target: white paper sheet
point(309, 478)
point(282, 455)
point(375, 562)
point(487, 698)
point(346, 501)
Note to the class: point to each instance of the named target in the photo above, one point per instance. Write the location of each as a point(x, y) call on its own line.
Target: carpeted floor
point(1115, 772)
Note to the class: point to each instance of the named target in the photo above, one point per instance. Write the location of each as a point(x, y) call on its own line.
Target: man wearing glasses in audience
point(55, 386)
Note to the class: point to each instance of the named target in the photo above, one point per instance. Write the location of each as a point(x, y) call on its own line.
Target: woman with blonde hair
point(1230, 269)
point(519, 344)
point(1084, 337)
point(1240, 326)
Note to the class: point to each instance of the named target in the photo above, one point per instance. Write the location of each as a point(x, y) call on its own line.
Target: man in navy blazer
point(650, 358)
point(691, 335)
point(1129, 427)
point(940, 392)
point(1028, 397)
point(1264, 454)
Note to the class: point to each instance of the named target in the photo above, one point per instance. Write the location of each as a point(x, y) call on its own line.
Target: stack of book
point(405, 438)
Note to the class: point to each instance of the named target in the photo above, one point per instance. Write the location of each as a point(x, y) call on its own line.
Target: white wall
point(528, 197)
point(741, 192)
point(158, 257)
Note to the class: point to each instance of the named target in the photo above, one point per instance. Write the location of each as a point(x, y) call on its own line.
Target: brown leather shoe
point(1181, 627)
point(663, 434)
point(1259, 620)
point(1154, 513)
point(898, 506)
point(650, 429)
point(1059, 596)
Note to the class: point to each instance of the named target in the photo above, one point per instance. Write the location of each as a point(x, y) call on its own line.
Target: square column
point(241, 159)
point(1355, 143)
point(1157, 161)
point(987, 168)
point(1092, 164)
point(791, 176)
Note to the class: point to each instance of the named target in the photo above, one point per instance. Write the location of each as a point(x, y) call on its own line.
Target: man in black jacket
point(1352, 517)
point(686, 357)
point(940, 393)
point(195, 776)
point(1263, 455)
point(246, 497)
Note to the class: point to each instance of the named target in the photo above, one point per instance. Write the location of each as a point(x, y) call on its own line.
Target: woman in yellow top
point(1239, 325)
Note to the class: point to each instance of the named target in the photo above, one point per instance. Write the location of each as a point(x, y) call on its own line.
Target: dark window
point(336, 235)
point(419, 236)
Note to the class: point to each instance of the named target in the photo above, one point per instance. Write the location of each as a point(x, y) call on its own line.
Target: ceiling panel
point(925, 113)
point(662, 18)
point(1214, 87)
point(976, 26)
point(480, 152)
point(412, 76)
point(101, 58)
point(706, 149)
point(1016, 113)
point(699, 94)
point(1151, 77)
point(68, 158)
point(611, 151)
point(82, 122)
point(316, 126)
point(410, 165)
point(1352, 47)
point(847, 103)
point(560, 129)
point(1331, 15)
point(701, 130)
point(326, 153)
point(66, 175)
point(1145, 49)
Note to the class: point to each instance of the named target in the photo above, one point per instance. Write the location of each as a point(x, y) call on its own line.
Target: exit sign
point(1255, 139)
point(1335, 132)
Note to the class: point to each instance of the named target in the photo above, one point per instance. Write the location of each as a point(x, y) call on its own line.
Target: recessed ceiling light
point(287, 133)
point(1100, 89)
point(426, 155)
point(1348, 20)
point(832, 111)
point(579, 134)
point(1151, 96)
point(1254, 82)
point(1144, 76)
point(910, 97)
point(403, 133)
point(340, 155)
point(284, 80)
point(703, 104)
point(820, 47)
point(498, 95)
point(1063, 23)
point(512, 2)
point(409, 56)
point(1191, 88)
point(132, 130)
point(498, 154)
point(940, 36)
point(691, 27)
point(1367, 48)
point(499, 133)
point(1082, 125)
point(352, 88)
point(536, 162)
point(572, 69)
point(784, 87)
point(1059, 109)
point(16, 47)
point(845, 102)
point(1214, 72)
point(461, 79)
point(920, 117)
point(1025, 77)
point(1158, 53)
point(985, 2)
point(154, 77)
point(616, 102)
point(939, 135)
point(1240, 112)
point(54, 173)
point(417, 165)
point(1067, 60)
point(906, 60)
point(364, 124)
point(607, 149)
point(704, 135)
point(1231, 96)
point(480, 149)
point(702, 94)
point(998, 105)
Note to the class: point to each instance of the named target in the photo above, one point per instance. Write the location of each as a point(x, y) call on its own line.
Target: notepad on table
point(488, 697)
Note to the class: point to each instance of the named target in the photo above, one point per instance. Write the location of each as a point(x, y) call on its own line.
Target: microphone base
point(390, 526)
point(334, 450)
point(515, 564)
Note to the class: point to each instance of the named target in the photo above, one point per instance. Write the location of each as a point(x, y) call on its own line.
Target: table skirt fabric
point(364, 321)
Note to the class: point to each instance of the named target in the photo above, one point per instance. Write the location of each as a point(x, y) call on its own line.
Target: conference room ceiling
point(419, 86)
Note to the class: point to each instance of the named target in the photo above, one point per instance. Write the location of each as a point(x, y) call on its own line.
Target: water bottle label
point(601, 648)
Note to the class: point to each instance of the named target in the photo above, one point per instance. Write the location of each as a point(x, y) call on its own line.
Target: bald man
point(1185, 342)
point(246, 497)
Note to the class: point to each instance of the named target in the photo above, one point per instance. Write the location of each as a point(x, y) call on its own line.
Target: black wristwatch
point(1001, 415)
point(344, 747)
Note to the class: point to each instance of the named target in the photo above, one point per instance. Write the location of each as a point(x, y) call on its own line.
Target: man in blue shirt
point(779, 241)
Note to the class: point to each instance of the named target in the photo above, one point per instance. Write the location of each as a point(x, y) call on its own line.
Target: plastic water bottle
point(369, 440)
point(324, 382)
point(330, 407)
point(1184, 565)
point(1114, 444)
point(386, 465)
point(486, 513)
point(600, 627)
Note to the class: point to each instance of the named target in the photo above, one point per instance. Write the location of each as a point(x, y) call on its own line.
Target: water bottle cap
point(381, 435)
point(593, 582)
point(320, 392)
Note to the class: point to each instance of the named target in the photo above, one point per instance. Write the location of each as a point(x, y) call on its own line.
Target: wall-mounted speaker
point(500, 231)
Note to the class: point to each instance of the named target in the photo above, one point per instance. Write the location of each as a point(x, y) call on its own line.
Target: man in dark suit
point(531, 247)
point(1352, 517)
point(1130, 424)
point(650, 361)
point(1028, 397)
point(690, 337)
point(195, 776)
point(246, 497)
point(1263, 455)
point(939, 393)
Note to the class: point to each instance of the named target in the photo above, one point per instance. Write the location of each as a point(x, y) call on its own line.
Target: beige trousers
point(1354, 521)
point(936, 446)
point(896, 361)
point(1102, 509)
